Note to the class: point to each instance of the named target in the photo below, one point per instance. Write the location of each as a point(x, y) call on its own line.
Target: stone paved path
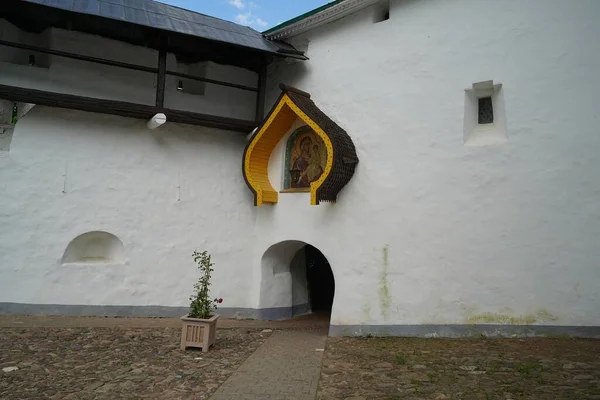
point(287, 366)
point(117, 363)
point(460, 369)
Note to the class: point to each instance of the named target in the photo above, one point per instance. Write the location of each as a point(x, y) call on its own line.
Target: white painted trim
point(328, 15)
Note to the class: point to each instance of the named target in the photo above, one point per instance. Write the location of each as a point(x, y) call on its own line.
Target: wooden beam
point(78, 56)
point(197, 78)
point(121, 108)
point(119, 64)
point(160, 85)
point(262, 87)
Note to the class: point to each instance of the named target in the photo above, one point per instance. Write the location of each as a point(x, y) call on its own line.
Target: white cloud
point(260, 22)
point(239, 4)
point(250, 20)
point(243, 19)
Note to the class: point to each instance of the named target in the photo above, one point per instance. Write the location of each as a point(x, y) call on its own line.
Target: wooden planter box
point(198, 332)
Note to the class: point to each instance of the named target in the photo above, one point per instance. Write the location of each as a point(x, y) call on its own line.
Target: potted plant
point(200, 325)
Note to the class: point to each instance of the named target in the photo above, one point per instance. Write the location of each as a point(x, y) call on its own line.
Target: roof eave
point(318, 17)
point(267, 48)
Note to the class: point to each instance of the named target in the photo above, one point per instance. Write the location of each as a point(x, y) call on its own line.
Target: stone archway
point(296, 279)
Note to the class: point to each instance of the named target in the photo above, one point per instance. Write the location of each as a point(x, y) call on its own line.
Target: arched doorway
point(297, 279)
point(320, 281)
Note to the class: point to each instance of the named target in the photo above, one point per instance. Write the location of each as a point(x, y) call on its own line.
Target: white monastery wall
point(432, 230)
point(162, 194)
point(63, 75)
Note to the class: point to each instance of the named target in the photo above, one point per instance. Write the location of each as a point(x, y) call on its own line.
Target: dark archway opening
point(320, 281)
point(297, 281)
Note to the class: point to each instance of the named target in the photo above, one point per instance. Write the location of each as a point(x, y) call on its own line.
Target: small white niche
point(381, 11)
point(485, 115)
point(95, 247)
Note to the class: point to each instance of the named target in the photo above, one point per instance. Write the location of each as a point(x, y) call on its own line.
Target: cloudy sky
point(259, 14)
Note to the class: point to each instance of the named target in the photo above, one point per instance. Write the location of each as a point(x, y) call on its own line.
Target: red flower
point(220, 300)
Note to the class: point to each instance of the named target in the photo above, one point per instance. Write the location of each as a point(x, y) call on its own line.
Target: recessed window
point(485, 115)
point(382, 11)
point(486, 111)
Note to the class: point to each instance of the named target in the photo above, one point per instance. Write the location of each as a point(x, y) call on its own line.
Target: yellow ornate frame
point(262, 144)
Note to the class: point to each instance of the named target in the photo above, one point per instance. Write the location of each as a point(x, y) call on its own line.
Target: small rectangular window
point(486, 111)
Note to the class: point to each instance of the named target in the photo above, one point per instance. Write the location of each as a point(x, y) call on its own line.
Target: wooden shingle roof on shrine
point(341, 153)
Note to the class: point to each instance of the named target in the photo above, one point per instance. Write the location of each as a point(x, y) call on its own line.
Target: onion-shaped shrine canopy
point(341, 153)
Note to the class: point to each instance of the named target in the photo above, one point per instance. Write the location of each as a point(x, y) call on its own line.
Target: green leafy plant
point(201, 305)
point(401, 359)
point(529, 368)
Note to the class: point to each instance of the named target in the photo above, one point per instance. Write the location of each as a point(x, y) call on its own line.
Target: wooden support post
point(160, 86)
point(262, 87)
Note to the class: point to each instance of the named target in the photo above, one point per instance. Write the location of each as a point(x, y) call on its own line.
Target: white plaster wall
point(101, 81)
point(276, 277)
point(430, 231)
point(299, 282)
point(163, 194)
point(427, 232)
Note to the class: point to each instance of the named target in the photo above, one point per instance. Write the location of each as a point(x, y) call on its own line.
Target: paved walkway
point(286, 366)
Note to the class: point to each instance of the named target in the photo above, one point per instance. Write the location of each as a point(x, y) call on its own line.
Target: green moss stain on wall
point(506, 317)
point(366, 309)
point(385, 298)
point(545, 316)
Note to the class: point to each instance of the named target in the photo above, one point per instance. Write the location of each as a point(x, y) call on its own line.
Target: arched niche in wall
point(96, 247)
point(339, 153)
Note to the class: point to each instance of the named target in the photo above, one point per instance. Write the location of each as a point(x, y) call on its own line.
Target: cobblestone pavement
point(410, 368)
point(287, 366)
point(116, 363)
point(130, 358)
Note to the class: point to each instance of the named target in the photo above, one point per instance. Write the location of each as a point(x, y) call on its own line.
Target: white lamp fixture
point(156, 121)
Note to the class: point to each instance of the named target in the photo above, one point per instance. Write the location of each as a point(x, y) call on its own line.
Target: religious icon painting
point(305, 159)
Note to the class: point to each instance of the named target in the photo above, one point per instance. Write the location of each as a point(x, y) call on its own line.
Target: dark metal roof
point(169, 18)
